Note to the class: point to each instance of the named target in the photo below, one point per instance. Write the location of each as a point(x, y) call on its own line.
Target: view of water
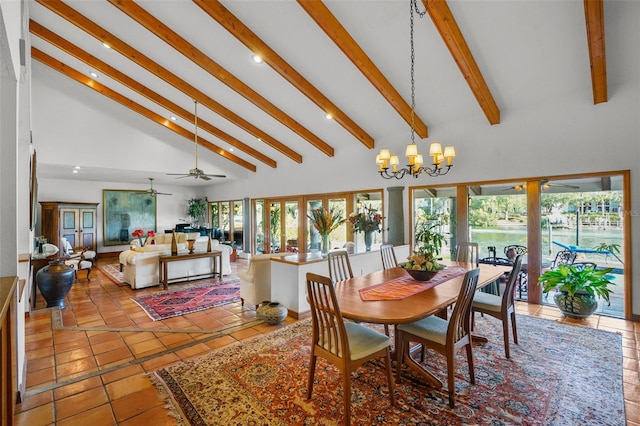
point(501, 237)
point(588, 238)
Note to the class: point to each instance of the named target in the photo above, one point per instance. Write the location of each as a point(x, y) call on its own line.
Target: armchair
point(255, 282)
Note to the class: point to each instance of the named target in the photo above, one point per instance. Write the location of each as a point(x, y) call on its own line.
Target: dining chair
point(388, 256)
point(340, 270)
point(468, 252)
point(346, 345)
point(501, 308)
point(443, 336)
point(339, 266)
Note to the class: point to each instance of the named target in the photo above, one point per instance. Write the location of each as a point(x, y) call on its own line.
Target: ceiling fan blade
point(203, 177)
point(217, 176)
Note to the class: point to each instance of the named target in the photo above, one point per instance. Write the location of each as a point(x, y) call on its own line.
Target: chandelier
point(388, 163)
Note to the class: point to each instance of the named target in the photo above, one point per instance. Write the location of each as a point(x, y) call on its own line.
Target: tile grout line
point(57, 321)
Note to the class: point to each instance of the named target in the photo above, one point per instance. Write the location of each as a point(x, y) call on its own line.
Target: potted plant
point(609, 249)
point(367, 221)
point(423, 263)
point(576, 288)
point(197, 208)
point(325, 222)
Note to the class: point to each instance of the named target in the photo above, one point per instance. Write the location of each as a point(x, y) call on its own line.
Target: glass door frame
point(534, 217)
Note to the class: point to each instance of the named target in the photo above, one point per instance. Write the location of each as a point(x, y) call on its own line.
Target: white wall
point(171, 209)
point(547, 128)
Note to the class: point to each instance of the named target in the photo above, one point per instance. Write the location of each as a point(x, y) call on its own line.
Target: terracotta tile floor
point(87, 365)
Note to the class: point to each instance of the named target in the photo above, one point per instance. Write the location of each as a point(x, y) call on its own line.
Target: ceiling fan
point(196, 172)
point(152, 191)
point(544, 184)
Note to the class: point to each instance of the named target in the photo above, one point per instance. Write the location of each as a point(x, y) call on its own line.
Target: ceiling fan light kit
point(196, 172)
point(386, 160)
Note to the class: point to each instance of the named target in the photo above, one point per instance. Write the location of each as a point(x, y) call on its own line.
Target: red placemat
point(406, 286)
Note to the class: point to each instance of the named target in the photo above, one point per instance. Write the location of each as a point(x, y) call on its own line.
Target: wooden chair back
point(469, 253)
point(329, 334)
point(339, 266)
point(388, 256)
point(460, 321)
point(510, 289)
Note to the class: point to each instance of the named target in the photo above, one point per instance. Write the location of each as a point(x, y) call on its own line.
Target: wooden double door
point(76, 222)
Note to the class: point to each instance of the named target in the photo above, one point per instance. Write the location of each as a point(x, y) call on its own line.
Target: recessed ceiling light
point(106, 45)
point(328, 116)
point(256, 58)
point(74, 171)
point(93, 74)
point(173, 118)
point(230, 149)
point(77, 167)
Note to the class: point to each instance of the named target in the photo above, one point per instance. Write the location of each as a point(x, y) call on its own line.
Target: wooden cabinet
point(77, 222)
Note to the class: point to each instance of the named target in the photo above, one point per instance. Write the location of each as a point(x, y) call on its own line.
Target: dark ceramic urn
point(55, 281)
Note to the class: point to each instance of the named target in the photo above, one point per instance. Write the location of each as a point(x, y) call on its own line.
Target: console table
point(216, 264)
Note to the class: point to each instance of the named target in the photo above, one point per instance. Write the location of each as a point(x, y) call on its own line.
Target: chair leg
point(346, 387)
point(514, 328)
point(399, 353)
point(390, 378)
point(312, 372)
point(505, 334)
point(386, 329)
point(451, 377)
point(472, 370)
point(88, 273)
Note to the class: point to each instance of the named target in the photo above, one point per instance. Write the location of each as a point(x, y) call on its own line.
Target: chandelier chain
point(442, 159)
point(413, 6)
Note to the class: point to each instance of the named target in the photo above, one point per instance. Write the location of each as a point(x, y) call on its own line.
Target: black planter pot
point(55, 281)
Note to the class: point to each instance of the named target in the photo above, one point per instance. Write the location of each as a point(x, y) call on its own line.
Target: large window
point(582, 214)
point(288, 227)
point(227, 221)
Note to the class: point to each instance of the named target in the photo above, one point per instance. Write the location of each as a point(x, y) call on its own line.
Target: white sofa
point(255, 282)
point(141, 265)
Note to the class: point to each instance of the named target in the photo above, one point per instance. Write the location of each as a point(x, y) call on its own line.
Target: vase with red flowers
point(368, 221)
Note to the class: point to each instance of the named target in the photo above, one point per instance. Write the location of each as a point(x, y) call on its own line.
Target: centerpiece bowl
point(421, 274)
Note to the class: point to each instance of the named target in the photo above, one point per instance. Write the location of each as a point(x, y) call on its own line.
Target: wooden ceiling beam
point(247, 37)
point(594, 17)
point(73, 50)
point(123, 100)
point(450, 32)
point(153, 67)
point(173, 39)
point(341, 37)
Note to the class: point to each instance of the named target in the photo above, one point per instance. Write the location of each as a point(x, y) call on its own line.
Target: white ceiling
point(528, 52)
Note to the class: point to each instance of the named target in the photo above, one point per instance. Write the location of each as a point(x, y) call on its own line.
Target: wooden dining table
point(411, 308)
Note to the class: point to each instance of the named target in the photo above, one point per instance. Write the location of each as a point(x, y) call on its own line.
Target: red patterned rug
point(558, 375)
point(167, 305)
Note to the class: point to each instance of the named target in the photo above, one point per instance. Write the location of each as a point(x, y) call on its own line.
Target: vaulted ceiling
point(348, 59)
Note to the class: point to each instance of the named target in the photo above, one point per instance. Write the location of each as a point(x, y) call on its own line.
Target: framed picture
point(126, 211)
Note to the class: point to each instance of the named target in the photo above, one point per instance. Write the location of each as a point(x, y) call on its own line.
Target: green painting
point(126, 211)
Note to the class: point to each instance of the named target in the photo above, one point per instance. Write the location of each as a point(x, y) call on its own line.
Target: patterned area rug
point(558, 375)
point(112, 271)
point(167, 305)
